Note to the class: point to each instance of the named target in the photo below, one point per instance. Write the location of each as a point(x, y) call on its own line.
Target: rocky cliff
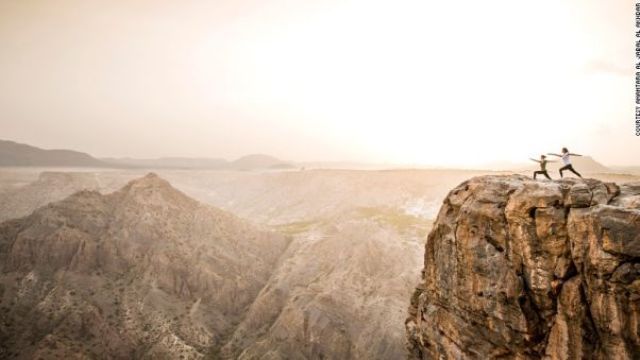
point(339, 291)
point(523, 269)
point(144, 272)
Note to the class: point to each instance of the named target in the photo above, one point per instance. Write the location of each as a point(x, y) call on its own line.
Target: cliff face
point(521, 269)
point(144, 272)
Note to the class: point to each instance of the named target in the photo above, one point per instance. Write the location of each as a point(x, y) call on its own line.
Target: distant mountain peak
point(152, 189)
point(258, 161)
point(16, 154)
point(257, 156)
point(149, 191)
point(124, 274)
point(150, 180)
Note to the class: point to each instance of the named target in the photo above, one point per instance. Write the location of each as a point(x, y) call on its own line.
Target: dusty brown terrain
point(145, 272)
point(339, 290)
point(354, 253)
point(50, 186)
point(520, 269)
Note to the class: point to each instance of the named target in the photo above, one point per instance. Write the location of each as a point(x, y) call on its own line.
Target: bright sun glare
point(411, 82)
point(403, 79)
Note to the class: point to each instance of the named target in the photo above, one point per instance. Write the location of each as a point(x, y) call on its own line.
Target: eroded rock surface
point(522, 269)
point(143, 273)
point(49, 187)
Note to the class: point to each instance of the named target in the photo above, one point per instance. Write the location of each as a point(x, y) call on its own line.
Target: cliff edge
point(522, 269)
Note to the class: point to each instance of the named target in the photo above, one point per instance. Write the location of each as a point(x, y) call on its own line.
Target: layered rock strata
point(522, 269)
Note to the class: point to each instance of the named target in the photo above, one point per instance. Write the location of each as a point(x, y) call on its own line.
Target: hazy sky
point(448, 83)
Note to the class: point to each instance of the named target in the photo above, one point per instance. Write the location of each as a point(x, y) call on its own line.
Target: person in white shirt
point(566, 160)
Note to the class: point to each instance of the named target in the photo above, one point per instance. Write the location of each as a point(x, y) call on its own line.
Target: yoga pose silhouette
point(565, 156)
point(543, 167)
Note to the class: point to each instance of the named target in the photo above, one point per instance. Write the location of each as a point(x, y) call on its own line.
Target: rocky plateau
point(522, 269)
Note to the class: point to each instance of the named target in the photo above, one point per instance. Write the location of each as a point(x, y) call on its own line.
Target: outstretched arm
point(554, 154)
point(532, 159)
point(574, 154)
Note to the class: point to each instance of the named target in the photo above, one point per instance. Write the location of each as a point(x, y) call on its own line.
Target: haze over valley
point(306, 180)
point(318, 263)
point(353, 254)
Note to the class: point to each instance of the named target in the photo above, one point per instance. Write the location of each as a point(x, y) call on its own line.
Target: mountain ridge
point(17, 154)
point(244, 163)
point(146, 271)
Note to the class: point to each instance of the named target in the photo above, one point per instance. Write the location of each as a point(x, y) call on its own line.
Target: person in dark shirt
point(543, 167)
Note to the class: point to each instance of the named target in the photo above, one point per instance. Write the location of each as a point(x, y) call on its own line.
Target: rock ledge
point(524, 269)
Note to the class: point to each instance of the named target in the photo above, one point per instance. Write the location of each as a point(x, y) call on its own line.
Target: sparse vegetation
point(296, 228)
point(354, 264)
point(397, 218)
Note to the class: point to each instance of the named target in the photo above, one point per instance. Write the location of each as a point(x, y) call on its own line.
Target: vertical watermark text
point(637, 38)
